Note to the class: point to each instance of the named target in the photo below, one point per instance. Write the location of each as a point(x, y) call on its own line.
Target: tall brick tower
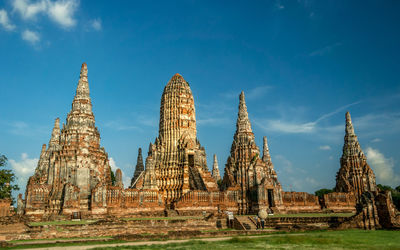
point(354, 175)
point(73, 163)
point(176, 162)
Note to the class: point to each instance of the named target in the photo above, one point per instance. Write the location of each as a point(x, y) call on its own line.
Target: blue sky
point(302, 65)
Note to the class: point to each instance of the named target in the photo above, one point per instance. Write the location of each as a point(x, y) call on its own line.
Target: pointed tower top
point(349, 125)
point(266, 156)
point(351, 145)
point(82, 91)
point(243, 122)
point(215, 171)
point(55, 134)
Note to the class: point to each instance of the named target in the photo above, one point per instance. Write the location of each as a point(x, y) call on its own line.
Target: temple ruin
point(73, 175)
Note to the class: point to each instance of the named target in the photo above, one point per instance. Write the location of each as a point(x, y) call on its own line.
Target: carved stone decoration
point(354, 175)
point(215, 170)
point(72, 164)
point(139, 167)
point(254, 177)
point(176, 162)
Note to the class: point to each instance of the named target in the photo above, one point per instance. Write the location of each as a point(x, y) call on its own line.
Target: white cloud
point(250, 94)
point(257, 92)
point(376, 140)
point(23, 169)
point(60, 11)
point(325, 147)
point(29, 10)
point(96, 24)
point(290, 127)
point(285, 164)
point(5, 22)
point(299, 127)
point(31, 36)
point(383, 167)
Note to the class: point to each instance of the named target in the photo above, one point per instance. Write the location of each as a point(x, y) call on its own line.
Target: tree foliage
point(384, 187)
point(395, 193)
point(320, 193)
point(7, 179)
point(112, 177)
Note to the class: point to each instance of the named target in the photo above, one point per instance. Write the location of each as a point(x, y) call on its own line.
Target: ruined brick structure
point(73, 175)
point(247, 172)
point(355, 175)
point(72, 165)
point(176, 162)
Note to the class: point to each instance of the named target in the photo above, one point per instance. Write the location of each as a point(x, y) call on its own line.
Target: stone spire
point(245, 171)
point(266, 156)
point(55, 135)
point(82, 91)
point(351, 147)
point(215, 171)
point(81, 119)
point(139, 167)
point(354, 175)
point(243, 123)
point(118, 178)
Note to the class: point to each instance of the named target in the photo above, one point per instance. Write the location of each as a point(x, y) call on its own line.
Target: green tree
point(7, 179)
point(398, 188)
point(384, 187)
point(112, 177)
point(320, 193)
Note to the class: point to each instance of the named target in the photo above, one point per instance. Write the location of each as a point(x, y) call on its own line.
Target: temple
point(355, 175)
point(176, 161)
point(72, 165)
point(73, 175)
point(247, 172)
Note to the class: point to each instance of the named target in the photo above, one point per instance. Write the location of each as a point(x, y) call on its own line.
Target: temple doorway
point(191, 160)
point(270, 197)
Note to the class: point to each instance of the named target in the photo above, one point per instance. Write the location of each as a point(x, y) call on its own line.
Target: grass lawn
point(313, 215)
point(62, 222)
point(165, 218)
point(349, 239)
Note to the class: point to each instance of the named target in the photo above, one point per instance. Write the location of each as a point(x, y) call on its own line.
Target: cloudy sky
point(302, 65)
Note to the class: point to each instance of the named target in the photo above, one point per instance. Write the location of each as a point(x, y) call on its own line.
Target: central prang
point(176, 162)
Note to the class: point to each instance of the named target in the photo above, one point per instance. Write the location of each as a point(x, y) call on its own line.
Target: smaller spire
point(43, 150)
point(266, 156)
point(118, 178)
point(139, 167)
point(55, 134)
point(215, 171)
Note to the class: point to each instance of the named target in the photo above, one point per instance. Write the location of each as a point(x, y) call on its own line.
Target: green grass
point(62, 222)
point(349, 239)
point(165, 218)
point(313, 215)
point(66, 244)
point(56, 239)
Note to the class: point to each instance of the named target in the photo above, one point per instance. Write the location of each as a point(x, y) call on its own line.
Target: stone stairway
point(246, 222)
